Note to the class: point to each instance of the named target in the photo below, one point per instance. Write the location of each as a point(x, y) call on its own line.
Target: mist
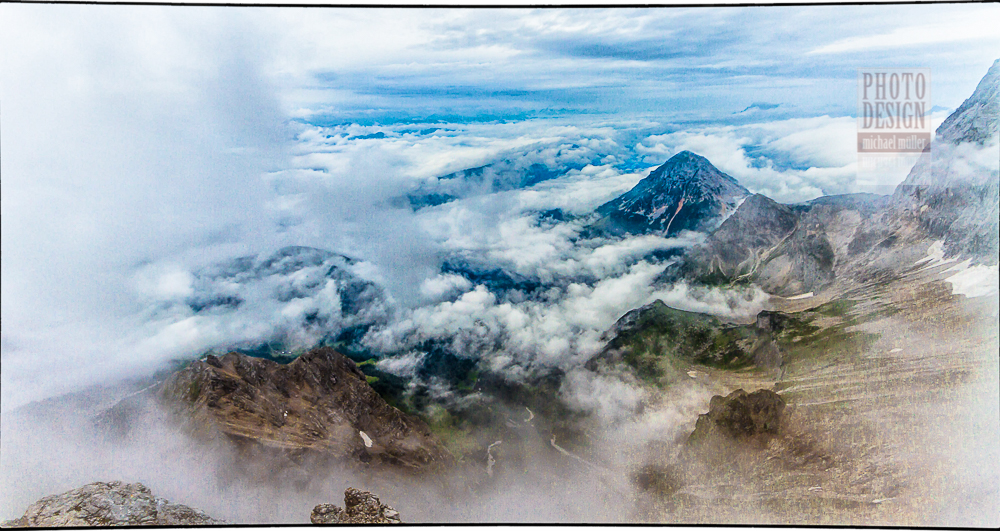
point(48, 450)
point(117, 155)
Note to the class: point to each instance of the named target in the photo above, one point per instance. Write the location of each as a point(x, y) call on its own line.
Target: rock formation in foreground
point(740, 415)
point(319, 403)
point(360, 507)
point(109, 504)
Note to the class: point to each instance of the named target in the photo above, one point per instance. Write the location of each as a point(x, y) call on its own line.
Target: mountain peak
point(688, 157)
point(690, 167)
point(686, 193)
point(976, 119)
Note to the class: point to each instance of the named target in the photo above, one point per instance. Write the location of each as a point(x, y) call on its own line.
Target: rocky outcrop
point(740, 415)
point(686, 193)
point(360, 507)
point(320, 403)
point(109, 504)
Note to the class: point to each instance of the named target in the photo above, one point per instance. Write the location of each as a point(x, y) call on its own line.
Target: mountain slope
point(685, 193)
point(319, 403)
point(743, 241)
point(952, 192)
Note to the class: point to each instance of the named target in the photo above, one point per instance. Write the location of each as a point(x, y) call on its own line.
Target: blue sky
point(141, 143)
point(672, 64)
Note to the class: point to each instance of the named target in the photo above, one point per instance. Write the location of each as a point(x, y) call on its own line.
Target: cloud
point(444, 285)
point(788, 160)
point(405, 366)
point(562, 327)
point(610, 398)
point(132, 137)
point(971, 26)
point(672, 64)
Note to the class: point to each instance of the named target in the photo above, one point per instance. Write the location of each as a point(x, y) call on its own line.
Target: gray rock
point(785, 249)
point(952, 193)
point(747, 238)
point(360, 507)
point(109, 504)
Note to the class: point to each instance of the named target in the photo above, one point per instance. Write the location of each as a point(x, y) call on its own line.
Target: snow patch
point(935, 256)
point(800, 297)
point(975, 281)
point(490, 461)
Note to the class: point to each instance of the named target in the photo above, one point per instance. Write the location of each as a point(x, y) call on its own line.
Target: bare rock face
point(740, 415)
point(109, 504)
point(319, 403)
point(360, 507)
point(785, 249)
